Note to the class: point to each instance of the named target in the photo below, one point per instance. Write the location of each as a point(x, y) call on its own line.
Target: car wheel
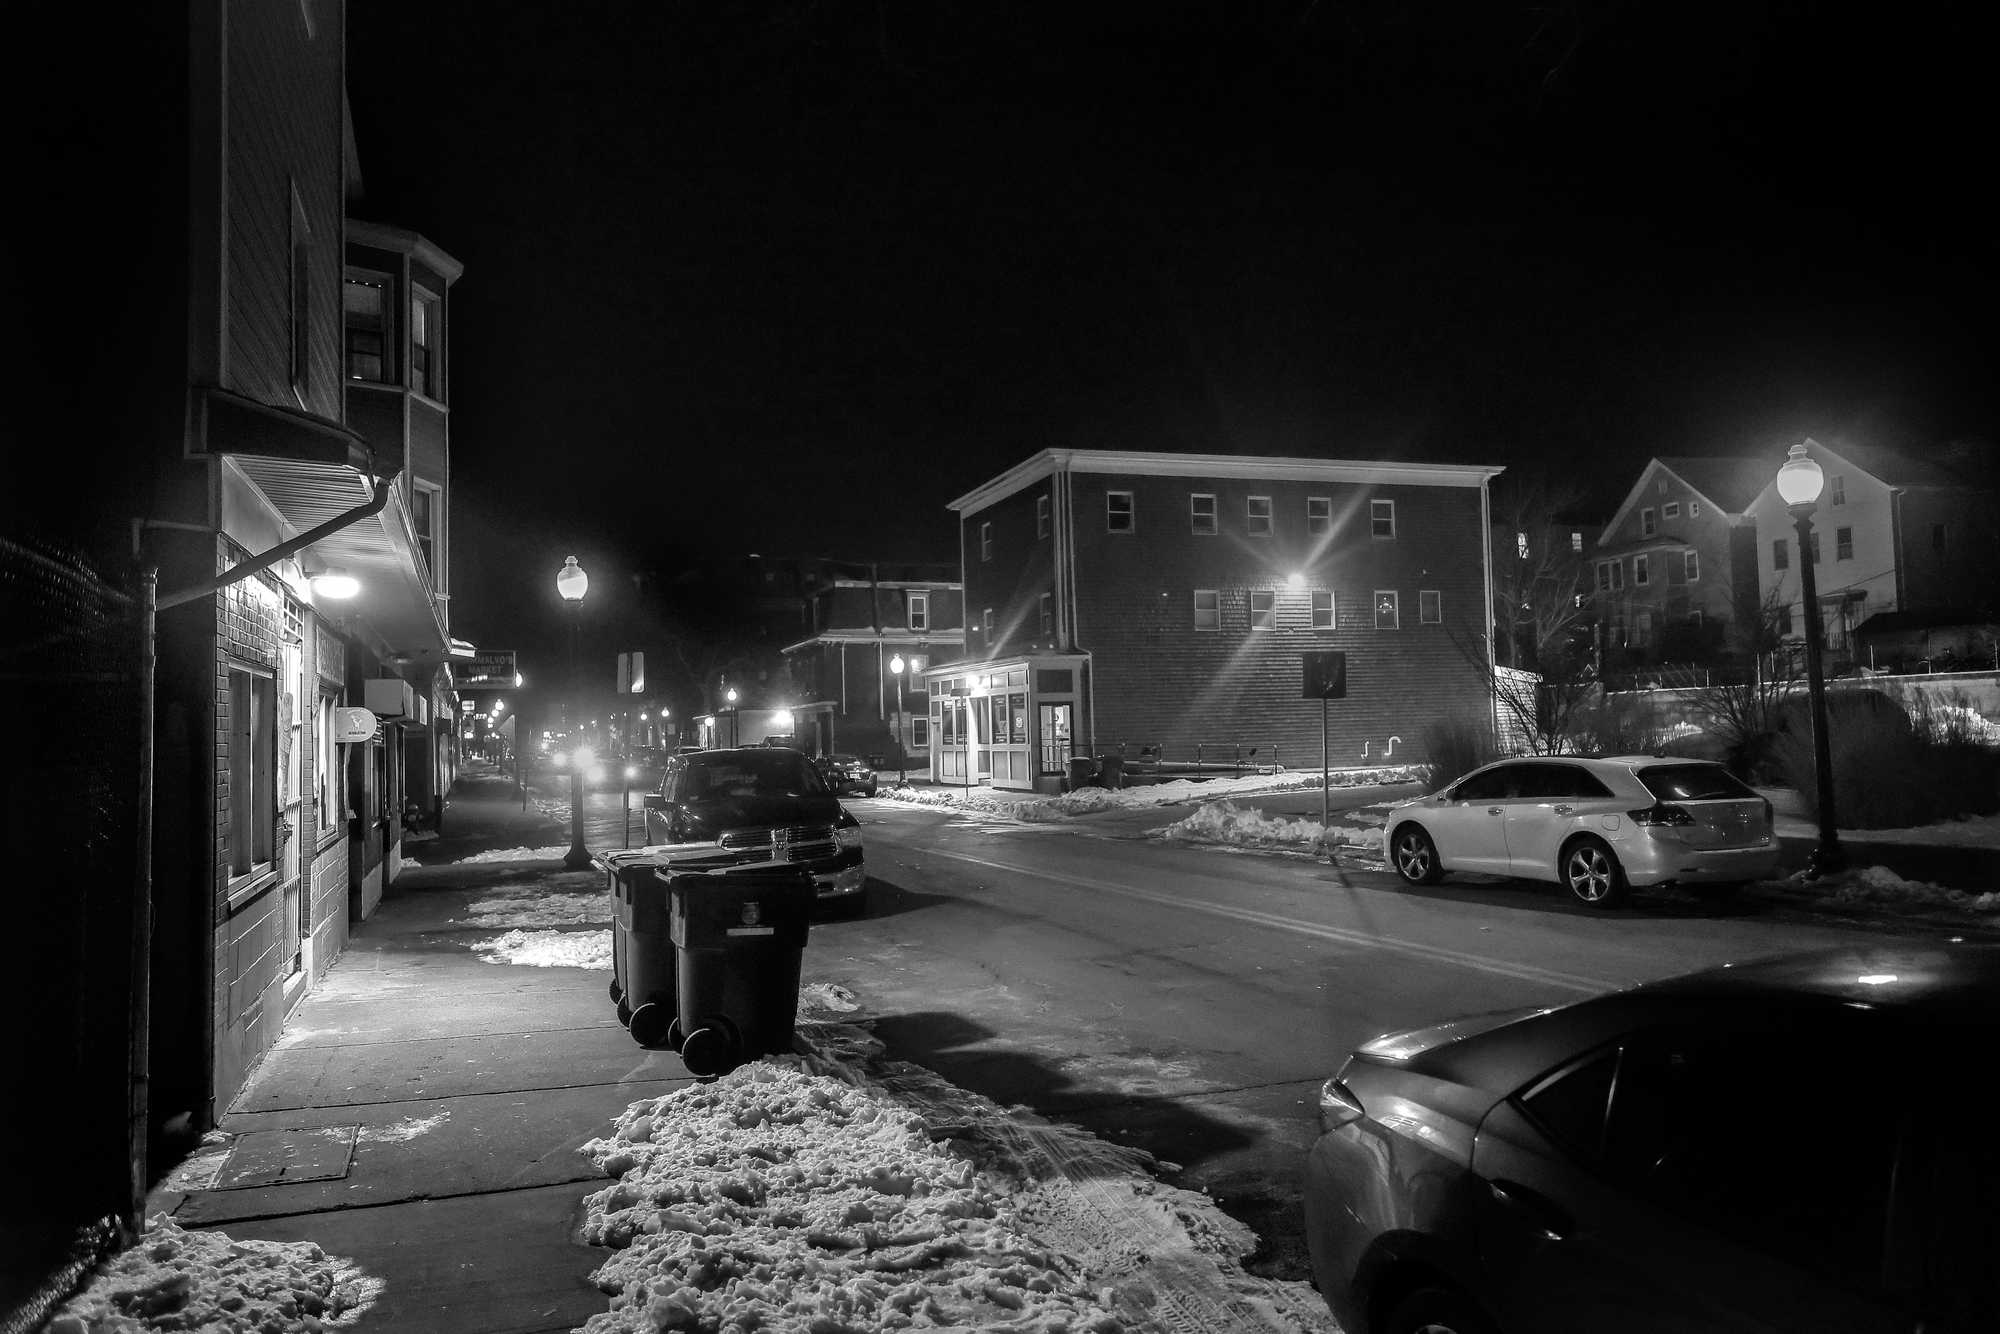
point(1433, 1311)
point(868, 791)
point(1415, 856)
point(1592, 873)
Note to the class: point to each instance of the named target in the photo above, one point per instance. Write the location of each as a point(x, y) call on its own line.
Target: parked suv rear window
point(1692, 782)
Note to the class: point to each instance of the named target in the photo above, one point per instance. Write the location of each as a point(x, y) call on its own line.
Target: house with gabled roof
point(1675, 570)
point(1892, 533)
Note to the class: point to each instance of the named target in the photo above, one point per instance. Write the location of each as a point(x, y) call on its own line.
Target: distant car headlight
point(631, 771)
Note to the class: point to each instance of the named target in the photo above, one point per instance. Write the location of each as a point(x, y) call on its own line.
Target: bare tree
point(1742, 710)
point(1540, 571)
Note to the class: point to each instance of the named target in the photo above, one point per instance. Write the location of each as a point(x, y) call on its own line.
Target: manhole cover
point(276, 1157)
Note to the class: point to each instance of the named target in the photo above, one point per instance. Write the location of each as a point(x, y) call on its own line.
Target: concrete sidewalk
point(421, 1113)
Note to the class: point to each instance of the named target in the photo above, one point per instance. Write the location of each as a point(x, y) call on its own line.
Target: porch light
point(335, 582)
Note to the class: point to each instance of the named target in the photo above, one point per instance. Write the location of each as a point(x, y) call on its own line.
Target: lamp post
point(896, 665)
point(572, 583)
point(1799, 483)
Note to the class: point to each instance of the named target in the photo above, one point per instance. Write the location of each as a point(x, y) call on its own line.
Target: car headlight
point(848, 838)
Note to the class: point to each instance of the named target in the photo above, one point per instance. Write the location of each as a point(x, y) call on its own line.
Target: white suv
point(1598, 826)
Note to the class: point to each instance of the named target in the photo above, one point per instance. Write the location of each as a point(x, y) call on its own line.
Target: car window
point(1491, 785)
point(1692, 782)
point(1570, 1104)
point(1760, 1138)
point(753, 773)
point(1545, 780)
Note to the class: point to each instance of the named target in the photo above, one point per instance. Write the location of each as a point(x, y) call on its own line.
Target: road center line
point(1520, 971)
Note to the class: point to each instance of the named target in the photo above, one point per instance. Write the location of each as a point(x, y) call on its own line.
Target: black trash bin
point(739, 939)
point(1082, 772)
point(642, 945)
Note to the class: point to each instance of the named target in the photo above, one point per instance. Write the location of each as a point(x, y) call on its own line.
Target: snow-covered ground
point(1041, 807)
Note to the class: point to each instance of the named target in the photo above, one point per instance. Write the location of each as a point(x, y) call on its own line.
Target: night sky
point(786, 278)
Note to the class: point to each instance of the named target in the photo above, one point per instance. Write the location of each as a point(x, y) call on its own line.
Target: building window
point(1322, 609)
point(253, 763)
point(1693, 568)
point(1576, 541)
point(920, 611)
point(1604, 576)
point(1118, 512)
point(1785, 619)
point(301, 298)
point(1671, 510)
point(1647, 522)
point(1381, 518)
point(1041, 517)
point(1642, 570)
point(986, 624)
point(424, 508)
point(1201, 515)
point(1843, 544)
point(920, 732)
point(1430, 607)
point(1048, 613)
point(986, 541)
point(326, 770)
point(1263, 609)
point(1388, 609)
point(426, 367)
point(1837, 489)
point(364, 304)
point(1207, 609)
point(1521, 545)
point(1319, 514)
point(1781, 555)
point(1257, 516)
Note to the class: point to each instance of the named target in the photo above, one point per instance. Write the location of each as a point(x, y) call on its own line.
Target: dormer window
point(426, 365)
point(364, 301)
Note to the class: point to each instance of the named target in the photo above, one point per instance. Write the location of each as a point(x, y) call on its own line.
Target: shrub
point(1890, 771)
point(1456, 747)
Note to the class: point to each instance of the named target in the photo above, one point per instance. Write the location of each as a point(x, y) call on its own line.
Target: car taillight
point(1663, 814)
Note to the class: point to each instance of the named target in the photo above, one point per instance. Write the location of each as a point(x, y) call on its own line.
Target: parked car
point(846, 773)
point(757, 804)
point(1596, 826)
point(1793, 1143)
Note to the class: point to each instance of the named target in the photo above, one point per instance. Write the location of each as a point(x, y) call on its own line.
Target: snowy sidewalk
point(441, 1112)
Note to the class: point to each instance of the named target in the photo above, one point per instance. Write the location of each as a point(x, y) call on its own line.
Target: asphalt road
point(1191, 1001)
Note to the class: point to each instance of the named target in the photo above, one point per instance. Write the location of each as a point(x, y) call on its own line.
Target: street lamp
point(1799, 483)
point(896, 666)
point(573, 583)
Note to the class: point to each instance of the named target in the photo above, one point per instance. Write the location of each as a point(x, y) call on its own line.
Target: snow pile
point(1230, 825)
point(773, 1199)
point(549, 853)
point(820, 998)
point(549, 949)
point(177, 1279)
point(529, 907)
point(1878, 886)
point(1948, 721)
point(1034, 806)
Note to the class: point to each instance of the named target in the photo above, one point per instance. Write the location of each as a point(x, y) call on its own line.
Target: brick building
point(1124, 600)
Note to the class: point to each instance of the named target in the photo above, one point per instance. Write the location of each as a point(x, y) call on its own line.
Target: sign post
point(1324, 673)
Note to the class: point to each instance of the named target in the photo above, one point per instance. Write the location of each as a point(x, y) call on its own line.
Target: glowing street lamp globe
point(571, 581)
point(1800, 477)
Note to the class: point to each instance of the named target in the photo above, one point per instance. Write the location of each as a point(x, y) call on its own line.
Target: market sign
point(490, 669)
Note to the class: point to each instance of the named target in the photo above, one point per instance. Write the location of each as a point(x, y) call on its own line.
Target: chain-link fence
point(70, 666)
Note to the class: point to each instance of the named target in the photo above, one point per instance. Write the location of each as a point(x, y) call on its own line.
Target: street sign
point(1325, 674)
point(490, 669)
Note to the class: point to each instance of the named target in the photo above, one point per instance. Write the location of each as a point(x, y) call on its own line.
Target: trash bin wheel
point(711, 1049)
point(650, 1025)
point(624, 1013)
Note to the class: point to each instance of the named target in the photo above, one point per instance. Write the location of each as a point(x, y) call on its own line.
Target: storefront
point(1013, 723)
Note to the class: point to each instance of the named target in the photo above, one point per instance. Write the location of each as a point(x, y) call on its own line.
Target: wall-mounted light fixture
point(334, 582)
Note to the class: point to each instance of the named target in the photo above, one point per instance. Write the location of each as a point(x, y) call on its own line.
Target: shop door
point(1054, 738)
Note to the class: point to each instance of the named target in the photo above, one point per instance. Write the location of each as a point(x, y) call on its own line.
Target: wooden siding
point(1162, 682)
point(284, 130)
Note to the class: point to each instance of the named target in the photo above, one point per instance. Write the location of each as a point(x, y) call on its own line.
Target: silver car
point(1597, 826)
